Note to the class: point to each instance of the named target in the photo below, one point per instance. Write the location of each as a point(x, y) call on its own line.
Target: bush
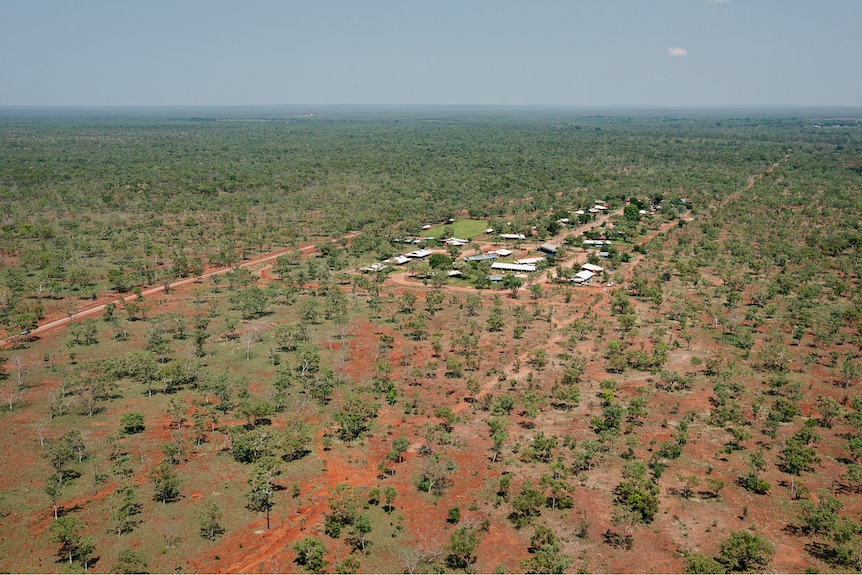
point(744, 550)
point(132, 423)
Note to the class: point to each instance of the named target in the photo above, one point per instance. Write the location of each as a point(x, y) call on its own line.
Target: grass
point(465, 229)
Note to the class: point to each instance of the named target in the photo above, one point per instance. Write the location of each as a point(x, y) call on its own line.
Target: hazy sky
point(493, 52)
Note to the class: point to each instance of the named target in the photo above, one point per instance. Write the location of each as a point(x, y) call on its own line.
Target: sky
point(672, 53)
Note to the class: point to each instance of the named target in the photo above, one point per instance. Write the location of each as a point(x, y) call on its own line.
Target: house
point(604, 255)
point(548, 249)
point(502, 252)
point(483, 258)
point(426, 227)
point(454, 273)
point(513, 237)
point(376, 267)
point(456, 242)
point(419, 254)
point(598, 243)
point(513, 267)
point(494, 278)
point(592, 268)
point(398, 260)
point(583, 277)
point(489, 231)
point(529, 261)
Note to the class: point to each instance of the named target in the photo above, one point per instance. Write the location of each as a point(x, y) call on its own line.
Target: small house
point(550, 249)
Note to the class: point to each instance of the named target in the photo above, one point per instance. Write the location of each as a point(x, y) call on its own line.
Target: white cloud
point(677, 52)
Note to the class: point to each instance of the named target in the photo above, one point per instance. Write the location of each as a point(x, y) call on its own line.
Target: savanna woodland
point(430, 340)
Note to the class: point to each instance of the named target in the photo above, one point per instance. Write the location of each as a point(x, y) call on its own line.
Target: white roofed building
point(513, 267)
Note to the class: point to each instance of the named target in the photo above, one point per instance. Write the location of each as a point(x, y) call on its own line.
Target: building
point(548, 249)
point(513, 267)
point(529, 261)
point(483, 258)
point(513, 237)
point(456, 242)
point(398, 260)
point(583, 277)
point(502, 252)
point(592, 268)
point(419, 254)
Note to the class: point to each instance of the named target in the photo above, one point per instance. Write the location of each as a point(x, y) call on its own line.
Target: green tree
point(820, 518)
point(311, 554)
point(462, 546)
point(53, 488)
point(67, 531)
point(354, 416)
point(210, 520)
point(637, 493)
point(389, 495)
point(125, 509)
point(166, 483)
point(132, 423)
point(129, 561)
point(699, 563)
point(261, 494)
point(745, 550)
point(359, 532)
point(546, 555)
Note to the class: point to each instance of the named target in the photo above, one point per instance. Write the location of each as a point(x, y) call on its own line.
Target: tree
point(125, 509)
point(53, 488)
point(745, 550)
point(545, 553)
point(389, 494)
point(166, 484)
point(462, 545)
point(797, 456)
point(63, 451)
point(311, 553)
point(513, 284)
point(260, 496)
point(527, 504)
point(67, 532)
point(637, 493)
point(210, 520)
point(132, 423)
point(699, 563)
point(354, 415)
point(129, 561)
point(820, 518)
point(360, 530)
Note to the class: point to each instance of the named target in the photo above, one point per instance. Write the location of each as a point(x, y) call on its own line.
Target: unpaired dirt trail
point(277, 540)
point(86, 312)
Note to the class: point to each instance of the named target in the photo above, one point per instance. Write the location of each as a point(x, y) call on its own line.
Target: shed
point(548, 248)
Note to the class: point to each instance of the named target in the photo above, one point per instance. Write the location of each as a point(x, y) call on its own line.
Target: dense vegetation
point(699, 408)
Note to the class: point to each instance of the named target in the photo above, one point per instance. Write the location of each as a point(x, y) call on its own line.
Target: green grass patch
point(465, 229)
